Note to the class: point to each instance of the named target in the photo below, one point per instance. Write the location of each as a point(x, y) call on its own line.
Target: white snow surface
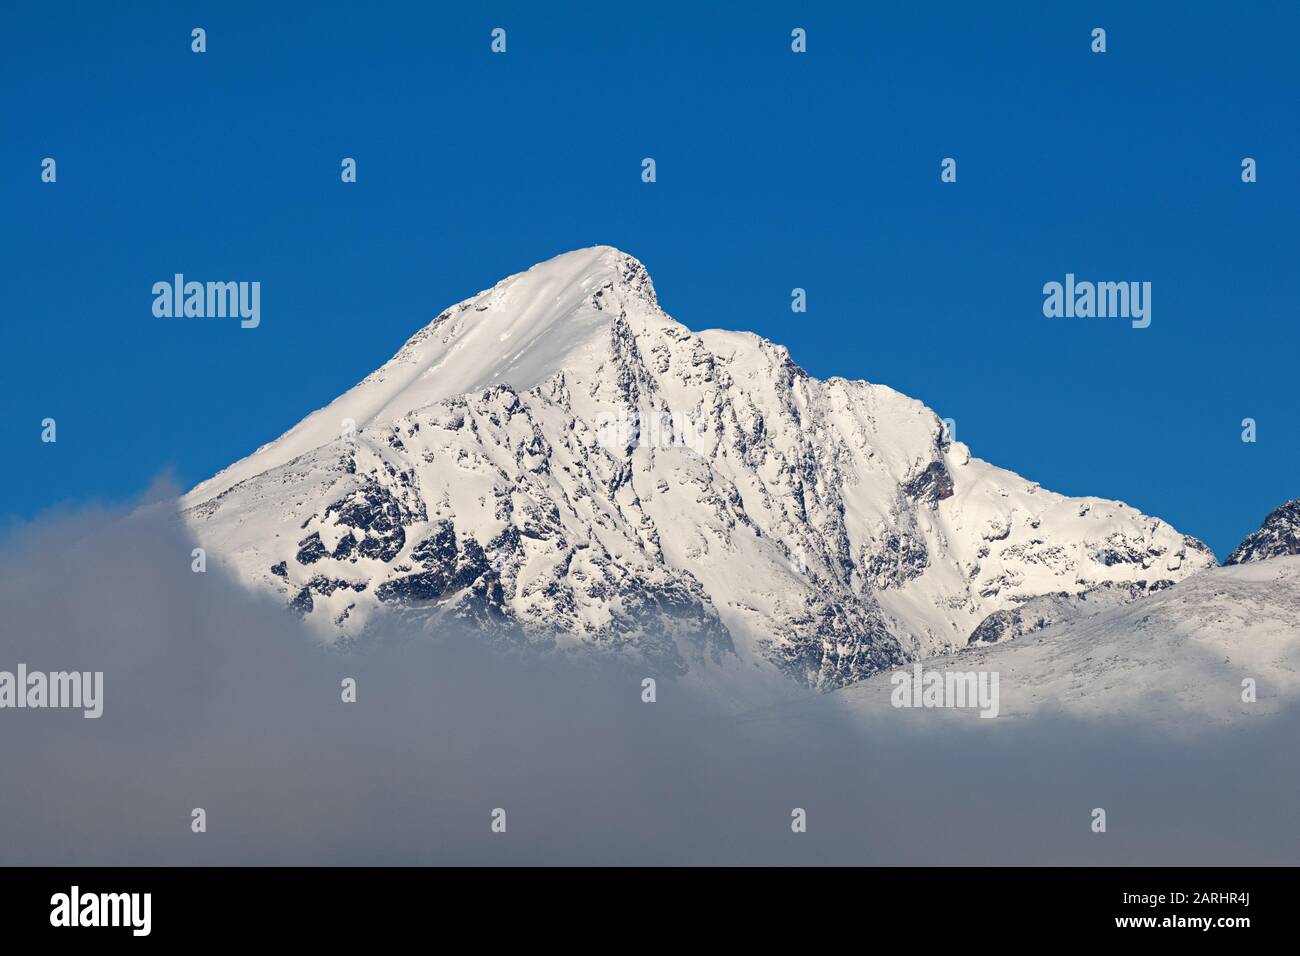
point(1176, 661)
point(826, 528)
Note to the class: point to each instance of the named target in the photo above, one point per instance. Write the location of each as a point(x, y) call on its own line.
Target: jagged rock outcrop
point(1278, 536)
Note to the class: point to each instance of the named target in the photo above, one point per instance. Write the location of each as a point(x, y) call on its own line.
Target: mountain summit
point(518, 333)
point(558, 460)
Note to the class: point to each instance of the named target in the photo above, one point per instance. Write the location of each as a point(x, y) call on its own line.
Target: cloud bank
point(215, 697)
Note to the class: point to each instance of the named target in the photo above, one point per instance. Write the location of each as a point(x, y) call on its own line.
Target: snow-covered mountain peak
point(557, 456)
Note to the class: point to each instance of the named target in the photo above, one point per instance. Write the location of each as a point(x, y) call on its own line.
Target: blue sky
point(775, 170)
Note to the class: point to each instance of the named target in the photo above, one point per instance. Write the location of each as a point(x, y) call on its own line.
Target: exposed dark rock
point(932, 485)
point(438, 549)
point(1277, 537)
point(346, 546)
point(302, 604)
point(325, 586)
point(1118, 549)
point(424, 586)
point(310, 549)
point(835, 645)
point(376, 519)
point(900, 557)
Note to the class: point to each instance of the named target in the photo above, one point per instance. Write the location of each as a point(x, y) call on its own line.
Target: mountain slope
point(558, 459)
point(1176, 659)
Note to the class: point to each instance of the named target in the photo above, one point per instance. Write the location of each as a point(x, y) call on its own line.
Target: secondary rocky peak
point(1278, 536)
